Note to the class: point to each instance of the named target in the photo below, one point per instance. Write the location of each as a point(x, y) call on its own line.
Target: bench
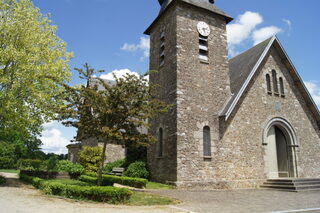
point(117, 171)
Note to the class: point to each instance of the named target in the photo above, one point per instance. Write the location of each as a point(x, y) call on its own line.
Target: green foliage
point(33, 62)
point(90, 158)
point(79, 190)
point(72, 168)
point(109, 180)
point(88, 179)
point(52, 163)
point(114, 113)
point(2, 180)
point(137, 169)
point(31, 164)
point(7, 163)
point(108, 167)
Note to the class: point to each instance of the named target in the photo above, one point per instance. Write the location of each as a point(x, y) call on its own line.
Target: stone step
point(315, 186)
point(293, 184)
point(294, 179)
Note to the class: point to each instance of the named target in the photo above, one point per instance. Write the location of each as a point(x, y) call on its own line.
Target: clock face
point(203, 28)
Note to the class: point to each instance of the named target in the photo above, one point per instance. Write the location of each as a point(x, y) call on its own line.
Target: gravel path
point(16, 197)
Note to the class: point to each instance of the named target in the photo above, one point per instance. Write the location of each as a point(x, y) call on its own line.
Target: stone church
point(233, 122)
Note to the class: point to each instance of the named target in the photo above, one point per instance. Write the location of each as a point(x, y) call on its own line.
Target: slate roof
point(203, 4)
point(239, 69)
point(243, 67)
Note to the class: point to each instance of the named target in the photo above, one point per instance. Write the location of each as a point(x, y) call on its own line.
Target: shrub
point(96, 193)
point(7, 163)
point(90, 158)
point(108, 167)
point(2, 180)
point(52, 163)
point(64, 165)
point(74, 170)
point(109, 180)
point(137, 169)
point(88, 179)
point(30, 164)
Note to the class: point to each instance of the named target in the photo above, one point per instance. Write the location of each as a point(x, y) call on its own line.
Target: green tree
point(90, 158)
point(33, 65)
point(113, 113)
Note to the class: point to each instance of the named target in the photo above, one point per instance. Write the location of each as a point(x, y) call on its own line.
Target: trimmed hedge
point(109, 180)
point(96, 193)
point(2, 180)
point(88, 179)
point(7, 163)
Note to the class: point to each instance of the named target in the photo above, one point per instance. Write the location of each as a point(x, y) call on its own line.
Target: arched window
point(268, 81)
point(275, 82)
point(160, 145)
point(281, 87)
point(206, 142)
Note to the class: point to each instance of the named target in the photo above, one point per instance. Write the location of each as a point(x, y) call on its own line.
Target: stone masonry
point(199, 91)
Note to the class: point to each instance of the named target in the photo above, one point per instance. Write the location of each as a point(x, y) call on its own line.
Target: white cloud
point(119, 73)
point(242, 29)
point(144, 46)
point(53, 140)
point(314, 89)
point(245, 29)
point(264, 33)
point(289, 25)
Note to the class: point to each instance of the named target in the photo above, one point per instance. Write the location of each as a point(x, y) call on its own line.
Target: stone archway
point(280, 143)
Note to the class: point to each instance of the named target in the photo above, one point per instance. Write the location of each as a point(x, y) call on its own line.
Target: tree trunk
point(103, 155)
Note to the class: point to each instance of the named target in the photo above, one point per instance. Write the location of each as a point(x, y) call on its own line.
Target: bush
point(88, 179)
point(2, 180)
point(7, 163)
point(74, 170)
point(108, 167)
point(52, 163)
point(137, 169)
point(109, 180)
point(90, 158)
point(32, 165)
point(96, 193)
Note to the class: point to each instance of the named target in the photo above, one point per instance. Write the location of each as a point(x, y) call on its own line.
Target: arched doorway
point(280, 142)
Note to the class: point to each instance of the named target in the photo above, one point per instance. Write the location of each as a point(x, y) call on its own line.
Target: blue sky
point(108, 34)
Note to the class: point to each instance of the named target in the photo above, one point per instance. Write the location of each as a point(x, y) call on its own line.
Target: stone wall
point(164, 168)
point(203, 89)
point(113, 151)
point(198, 91)
point(240, 156)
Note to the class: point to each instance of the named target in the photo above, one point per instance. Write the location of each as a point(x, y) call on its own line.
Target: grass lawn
point(144, 199)
point(154, 185)
point(9, 171)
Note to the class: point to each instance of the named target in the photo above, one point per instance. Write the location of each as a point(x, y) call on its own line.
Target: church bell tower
point(189, 62)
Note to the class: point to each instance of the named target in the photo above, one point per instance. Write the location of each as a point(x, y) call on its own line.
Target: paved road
point(16, 197)
point(237, 201)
